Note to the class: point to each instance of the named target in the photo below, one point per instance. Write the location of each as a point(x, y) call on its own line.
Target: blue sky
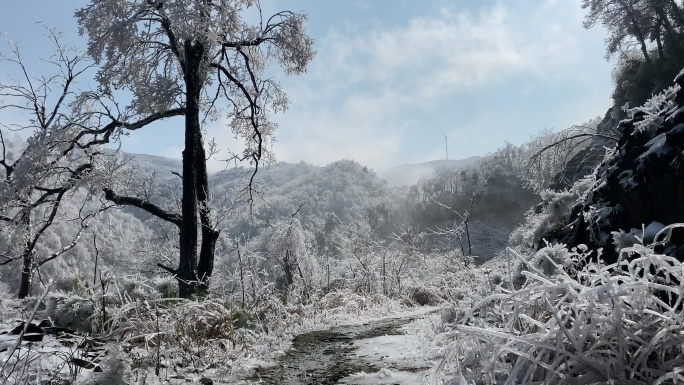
point(391, 75)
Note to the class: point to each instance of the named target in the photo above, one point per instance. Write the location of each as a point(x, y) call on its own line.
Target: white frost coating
point(656, 109)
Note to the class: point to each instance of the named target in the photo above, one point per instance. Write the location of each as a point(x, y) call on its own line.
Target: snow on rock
point(640, 183)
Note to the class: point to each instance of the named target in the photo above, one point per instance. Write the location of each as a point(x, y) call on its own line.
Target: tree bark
point(28, 258)
point(187, 265)
point(659, 43)
point(210, 234)
point(288, 269)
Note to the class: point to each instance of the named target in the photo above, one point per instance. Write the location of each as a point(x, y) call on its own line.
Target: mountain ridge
point(396, 176)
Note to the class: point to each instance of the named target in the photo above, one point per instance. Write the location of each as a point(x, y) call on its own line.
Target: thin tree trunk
point(28, 258)
point(659, 43)
point(644, 49)
point(242, 276)
point(26, 276)
point(327, 269)
point(288, 269)
point(384, 274)
point(470, 246)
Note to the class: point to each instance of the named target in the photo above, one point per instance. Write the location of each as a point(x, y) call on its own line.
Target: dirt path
point(325, 357)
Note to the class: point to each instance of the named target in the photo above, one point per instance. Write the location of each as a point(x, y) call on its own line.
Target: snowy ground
point(408, 354)
point(405, 359)
point(393, 350)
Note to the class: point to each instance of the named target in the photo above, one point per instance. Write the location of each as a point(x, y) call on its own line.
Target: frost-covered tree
point(624, 20)
point(204, 57)
point(58, 173)
point(290, 245)
point(638, 21)
point(39, 178)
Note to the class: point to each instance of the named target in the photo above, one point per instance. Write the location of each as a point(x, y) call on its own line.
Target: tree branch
point(168, 269)
point(146, 205)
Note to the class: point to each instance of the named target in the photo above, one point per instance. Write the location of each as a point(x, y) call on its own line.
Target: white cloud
point(357, 129)
point(367, 82)
point(451, 52)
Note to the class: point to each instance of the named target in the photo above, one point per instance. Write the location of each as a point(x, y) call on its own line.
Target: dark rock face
point(584, 162)
point(641, 183)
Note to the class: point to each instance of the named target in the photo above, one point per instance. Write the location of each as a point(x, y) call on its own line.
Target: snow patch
point(386, 377)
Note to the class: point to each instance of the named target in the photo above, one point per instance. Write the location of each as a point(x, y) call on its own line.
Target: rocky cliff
point(639, 187)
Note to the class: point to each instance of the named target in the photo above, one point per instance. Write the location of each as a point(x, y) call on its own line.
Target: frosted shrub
point(343, 302)
point(451, 315)
point(135, 287)
point(604, 324)
point(554, 215)
point(72, 311)
point(188, 332)
point(424, 297)
point(550, 258)
point(166, 286)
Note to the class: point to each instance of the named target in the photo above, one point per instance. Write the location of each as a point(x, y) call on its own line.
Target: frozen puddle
point(404, 359)
point(404, 351)
point(386, 351)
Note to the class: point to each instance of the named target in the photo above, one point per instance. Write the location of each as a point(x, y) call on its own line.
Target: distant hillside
point(343, 188)
point(409, 174)
point(148, 163)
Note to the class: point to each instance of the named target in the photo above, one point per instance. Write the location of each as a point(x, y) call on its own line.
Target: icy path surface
point(389, 351)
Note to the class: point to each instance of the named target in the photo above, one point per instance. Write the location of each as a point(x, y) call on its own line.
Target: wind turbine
point(446, 144)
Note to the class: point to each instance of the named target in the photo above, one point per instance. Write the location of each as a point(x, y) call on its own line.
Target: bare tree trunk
point(28, 258)
point(638, 33)
point(384, 274)
point(327, 269)
point(288, 269)
point(26, 275)
point(470, 247)
point(187, 265)
point(242, 275)
point(644, 49)
point(659, 43)
point(210, 235)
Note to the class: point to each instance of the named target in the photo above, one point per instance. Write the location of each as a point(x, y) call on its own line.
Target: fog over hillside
point(402, 175)
point(408, 174)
